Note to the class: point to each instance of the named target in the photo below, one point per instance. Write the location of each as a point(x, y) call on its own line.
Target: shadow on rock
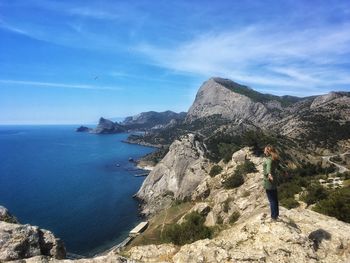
point(317, 236)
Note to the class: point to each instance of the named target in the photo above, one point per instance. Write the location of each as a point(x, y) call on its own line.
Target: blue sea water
point(69, 183)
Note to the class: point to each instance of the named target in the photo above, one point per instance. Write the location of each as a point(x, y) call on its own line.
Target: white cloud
point(267, 56)
point(57, 85)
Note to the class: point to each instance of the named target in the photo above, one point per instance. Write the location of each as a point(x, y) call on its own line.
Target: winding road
point(342, 169)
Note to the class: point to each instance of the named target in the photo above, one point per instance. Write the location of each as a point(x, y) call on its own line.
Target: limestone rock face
point(153, 253)
point(23, 241)
point(176, 176)
point(214, 98)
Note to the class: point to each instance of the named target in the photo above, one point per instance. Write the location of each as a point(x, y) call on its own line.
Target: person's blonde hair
point(272, 151)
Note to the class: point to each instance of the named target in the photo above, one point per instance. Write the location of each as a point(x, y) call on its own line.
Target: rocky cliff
point(176, 176)
point(107, 126)
point(19, 241)
point(301, 235)
point(215, 98)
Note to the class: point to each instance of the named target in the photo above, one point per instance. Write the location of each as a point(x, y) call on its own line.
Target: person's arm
point(268, 169)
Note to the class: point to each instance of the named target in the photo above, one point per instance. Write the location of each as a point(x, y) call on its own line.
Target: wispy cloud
point(92, 13)
point(58, 85)
point(262, 55)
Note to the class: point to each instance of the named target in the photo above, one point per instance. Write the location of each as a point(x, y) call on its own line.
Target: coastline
point(116, 246)
point(143, 144)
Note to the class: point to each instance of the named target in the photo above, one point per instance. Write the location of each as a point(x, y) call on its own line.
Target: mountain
point(221, 105)
point(107, 126)
point(152, 119)
point(233, 101)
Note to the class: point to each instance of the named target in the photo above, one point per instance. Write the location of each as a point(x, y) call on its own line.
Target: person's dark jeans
point(273, 200)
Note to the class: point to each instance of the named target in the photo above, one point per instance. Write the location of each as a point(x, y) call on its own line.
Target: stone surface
point(214, 98)
point(153, 253)
point(23, 241)
point(6, 216)
point(179, 173)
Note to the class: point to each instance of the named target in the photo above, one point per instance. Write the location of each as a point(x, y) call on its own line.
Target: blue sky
point(74, 61)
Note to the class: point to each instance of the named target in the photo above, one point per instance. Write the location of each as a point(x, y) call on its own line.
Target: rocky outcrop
point(106, 127)
point(176, 176)
point(301, 235)
point(214, 98)
point(296, 238)
point(83, 129)
point(6, 216)
point(24, 241)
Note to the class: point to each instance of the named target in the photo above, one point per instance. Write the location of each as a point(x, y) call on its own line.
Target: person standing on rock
point(270, 179)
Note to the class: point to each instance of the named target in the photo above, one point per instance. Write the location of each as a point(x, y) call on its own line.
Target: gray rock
point(213, 98)
point(180, 172)
point(24, 241)
point(6, 216)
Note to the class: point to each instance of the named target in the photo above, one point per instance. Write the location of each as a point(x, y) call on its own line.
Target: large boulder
point(24, 241)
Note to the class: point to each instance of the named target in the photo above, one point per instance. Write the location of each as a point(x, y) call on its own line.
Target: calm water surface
point(69, 183)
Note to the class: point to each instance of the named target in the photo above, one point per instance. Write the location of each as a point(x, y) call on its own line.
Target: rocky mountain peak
point(231, 101)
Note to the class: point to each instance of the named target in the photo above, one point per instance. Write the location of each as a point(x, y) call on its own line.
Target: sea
point(77, 185)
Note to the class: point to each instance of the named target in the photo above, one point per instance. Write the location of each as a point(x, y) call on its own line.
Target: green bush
point(289, 203)
point(315, 193)
point(288, 190)
point(246, 167)
point(237, 179)
point(337, 204)
point(234, 217)
point(215, 170)
point(189, 231)
point(234, 181)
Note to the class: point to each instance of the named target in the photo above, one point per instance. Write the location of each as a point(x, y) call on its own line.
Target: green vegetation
point(156, 156)
point(234, 217)
point(337, 204)
point(234, 181)
point(303, 176)
point(215, 170)
point(289, 203)
point(254, 95)
point(222, 145)
point(314, 193)
point(324, 129)
point(189, 231)
point(237, 178)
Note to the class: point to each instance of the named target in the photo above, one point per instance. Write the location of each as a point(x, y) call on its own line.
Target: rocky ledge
point(19, 241)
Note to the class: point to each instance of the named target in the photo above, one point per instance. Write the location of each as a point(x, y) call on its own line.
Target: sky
point(71, 62)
